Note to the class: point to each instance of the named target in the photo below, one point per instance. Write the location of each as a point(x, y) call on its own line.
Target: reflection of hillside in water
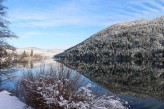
point(136, 79)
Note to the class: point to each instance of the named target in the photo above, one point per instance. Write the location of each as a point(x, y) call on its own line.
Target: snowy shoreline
point(11, 102)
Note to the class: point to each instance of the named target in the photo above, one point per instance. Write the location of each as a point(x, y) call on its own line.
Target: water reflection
point(144, 80)
point(9, 76)
point(9, 79)
point(140, 79)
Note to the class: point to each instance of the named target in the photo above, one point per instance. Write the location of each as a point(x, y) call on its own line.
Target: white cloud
point(76, 13)
point(30, 34)
point(71, 13)
point(138, 9)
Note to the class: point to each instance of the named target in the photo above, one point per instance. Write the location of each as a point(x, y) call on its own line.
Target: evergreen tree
point(31, 53)
point(24, 54)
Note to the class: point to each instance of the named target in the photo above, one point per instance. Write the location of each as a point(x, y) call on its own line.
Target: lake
point(141, 84)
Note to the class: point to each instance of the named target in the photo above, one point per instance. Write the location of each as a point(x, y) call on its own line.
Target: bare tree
point(5, 32)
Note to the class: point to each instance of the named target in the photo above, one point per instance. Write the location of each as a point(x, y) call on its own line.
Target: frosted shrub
point(62, 89)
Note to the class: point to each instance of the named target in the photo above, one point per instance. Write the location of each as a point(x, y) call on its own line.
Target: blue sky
point(60, 24)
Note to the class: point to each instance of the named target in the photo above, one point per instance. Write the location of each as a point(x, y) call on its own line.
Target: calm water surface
point(141, 84)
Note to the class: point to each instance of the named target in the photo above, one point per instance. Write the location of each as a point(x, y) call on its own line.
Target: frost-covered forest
point(142, 39)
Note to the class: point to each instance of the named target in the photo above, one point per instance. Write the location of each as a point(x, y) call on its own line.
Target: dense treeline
point(134, 40)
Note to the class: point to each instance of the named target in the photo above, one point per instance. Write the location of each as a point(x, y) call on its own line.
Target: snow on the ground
point(43, 52)
point(11, 102)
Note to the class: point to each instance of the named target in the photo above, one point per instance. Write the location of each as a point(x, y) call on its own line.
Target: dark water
point(139, 83)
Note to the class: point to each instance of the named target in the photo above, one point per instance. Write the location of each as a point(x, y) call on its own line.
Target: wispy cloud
point(94, 13)
point(30, 34)
point(146, 8)
point(70, 13)
point(79, 18)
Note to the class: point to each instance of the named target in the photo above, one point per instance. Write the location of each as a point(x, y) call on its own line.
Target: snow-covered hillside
point(42, 52)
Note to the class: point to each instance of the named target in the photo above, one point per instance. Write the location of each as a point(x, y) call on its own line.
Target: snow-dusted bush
point(62, 89)
point(83, 98)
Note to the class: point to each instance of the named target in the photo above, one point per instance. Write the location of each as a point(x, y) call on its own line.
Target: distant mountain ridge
point(138, 39)
point(40, 51)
